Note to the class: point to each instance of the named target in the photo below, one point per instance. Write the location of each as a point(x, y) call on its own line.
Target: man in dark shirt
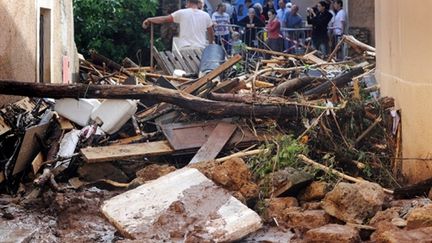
point(251, 23)
point(319, 22)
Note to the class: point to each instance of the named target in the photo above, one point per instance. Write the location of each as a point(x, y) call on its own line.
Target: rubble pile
point(253, 149)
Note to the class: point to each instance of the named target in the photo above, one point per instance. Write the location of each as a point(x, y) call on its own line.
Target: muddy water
point(64, 217)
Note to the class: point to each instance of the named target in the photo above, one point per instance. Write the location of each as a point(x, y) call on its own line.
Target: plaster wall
point(403, 70)
point(19, 43)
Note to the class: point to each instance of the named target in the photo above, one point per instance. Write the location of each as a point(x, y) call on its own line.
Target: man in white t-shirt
point(340, 19)
point(339, 24)
point(194, 25)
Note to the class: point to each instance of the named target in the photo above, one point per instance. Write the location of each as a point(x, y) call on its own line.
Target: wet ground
point(57, 217)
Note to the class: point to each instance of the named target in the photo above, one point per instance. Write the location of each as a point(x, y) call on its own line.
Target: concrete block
point(183, 205)
point(11, 234)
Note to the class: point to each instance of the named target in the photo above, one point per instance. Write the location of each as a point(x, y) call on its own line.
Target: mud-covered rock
point(275, 207)
point(233, 175)
point(306, 220)
point(311, 206)
point(315, 191)
point(420, 217)
point(422, 235)
point(354, 203)
point(386, 215)
point(154, 171)
point(333, 233)
point(149, 173)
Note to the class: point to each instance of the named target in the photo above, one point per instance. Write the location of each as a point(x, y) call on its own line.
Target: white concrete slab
point(181, 205)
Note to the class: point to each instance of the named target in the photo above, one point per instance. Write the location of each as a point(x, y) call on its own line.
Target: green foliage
point(113, 27)
point(280, 154)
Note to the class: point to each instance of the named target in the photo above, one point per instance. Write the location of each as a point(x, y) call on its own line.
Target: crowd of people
point(222, 26)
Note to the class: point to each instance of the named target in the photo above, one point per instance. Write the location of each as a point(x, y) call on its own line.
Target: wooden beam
point(213, 74)
point(118, 152)
point(215, 143)
point(156, 75)
point(175, 97)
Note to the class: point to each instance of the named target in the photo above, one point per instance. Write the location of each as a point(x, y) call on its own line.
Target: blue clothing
point(293, 21)
point(281, 15)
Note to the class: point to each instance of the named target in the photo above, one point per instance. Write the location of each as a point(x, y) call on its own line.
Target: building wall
point(403, 41)
point(19, 42)
point(361, 15)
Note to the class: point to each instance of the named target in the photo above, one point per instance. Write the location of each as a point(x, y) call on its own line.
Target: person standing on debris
point(338, 25)
point(194, 24)
point(251, 22)
point(275, 42)
point(319, 21)
point(221, 22)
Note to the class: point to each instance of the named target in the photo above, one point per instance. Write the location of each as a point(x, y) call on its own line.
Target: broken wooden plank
point(65, 124)
point(314, 59)
point(199, 83)
point(185, 65)
point(352, 41)
point(213, 74)
point(168, 207)
point(167, 63)
point(156, 75)
point(187, 136)
point(192, 59)
point(161, 62)
point(174, 61)
point(37, 162)
point(117, 152)
point(128, 63)
point(29, 147)
point(4, 128)
point(100, 59)
point(215, 143)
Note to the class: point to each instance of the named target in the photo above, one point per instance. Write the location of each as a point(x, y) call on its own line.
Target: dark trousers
point(335, 41)
point(276, 44)
point(321, 44)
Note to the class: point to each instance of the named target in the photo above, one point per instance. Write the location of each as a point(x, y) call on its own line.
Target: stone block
point(181, 206)
point(333, 233)
point(353, 203)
